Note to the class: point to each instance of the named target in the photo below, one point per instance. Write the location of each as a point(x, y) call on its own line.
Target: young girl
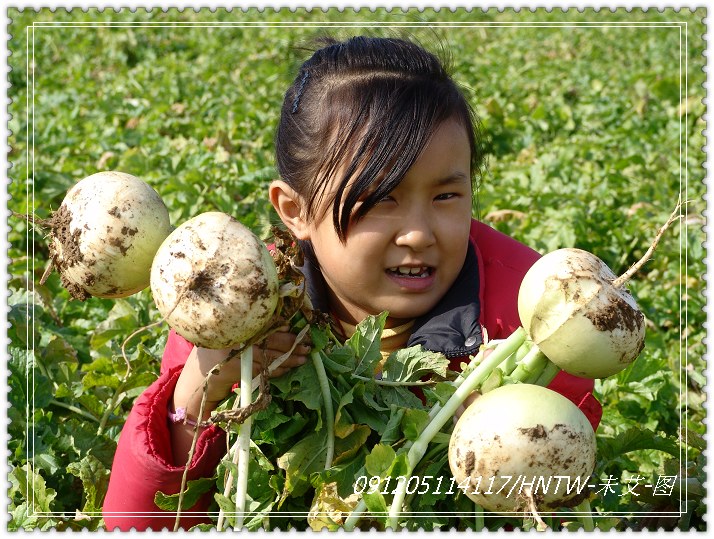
point(376, 150)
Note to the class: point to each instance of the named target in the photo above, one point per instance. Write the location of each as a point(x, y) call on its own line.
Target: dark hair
point(376, 101)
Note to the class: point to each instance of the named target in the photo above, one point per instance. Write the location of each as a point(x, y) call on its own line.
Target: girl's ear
point(288, 203)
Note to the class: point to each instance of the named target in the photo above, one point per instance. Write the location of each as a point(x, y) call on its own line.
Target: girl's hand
point(278, 344)
point(189, 388)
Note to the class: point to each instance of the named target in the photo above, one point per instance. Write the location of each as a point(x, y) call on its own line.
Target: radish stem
point(514, 360)
point(361, 507)
point(355, 515)
point(74, 409)
point(587, 517)
point(502, 373)
point(329, 412)
point(479, 522)
point(531, 367)
point(547, 374)
point(485, 368)
point(470, 383)
point(230, 478)
point(246, 396)
point(392, 383)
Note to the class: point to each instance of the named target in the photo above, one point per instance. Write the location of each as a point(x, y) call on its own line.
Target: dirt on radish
point(104, 235)
point(507, 453)
point(214, 281)
point(574, 311)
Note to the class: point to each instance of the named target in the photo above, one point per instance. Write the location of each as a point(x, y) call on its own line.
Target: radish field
point(593, 128)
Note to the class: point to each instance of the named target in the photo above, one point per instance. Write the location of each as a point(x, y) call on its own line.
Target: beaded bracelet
point(179, 416)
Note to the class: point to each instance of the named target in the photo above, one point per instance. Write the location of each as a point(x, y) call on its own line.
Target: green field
point(593, 126)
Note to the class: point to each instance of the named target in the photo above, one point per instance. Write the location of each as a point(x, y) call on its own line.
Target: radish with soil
point(509, 455)
point(104, 235)
point(580, 315)
point(214, 281)
point(574, 310)
point(216, 284)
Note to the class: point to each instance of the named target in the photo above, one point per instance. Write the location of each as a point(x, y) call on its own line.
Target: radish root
point(527, 495)
point(675, 216)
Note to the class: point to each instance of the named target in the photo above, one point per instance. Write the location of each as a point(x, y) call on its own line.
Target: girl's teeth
point(405, 270)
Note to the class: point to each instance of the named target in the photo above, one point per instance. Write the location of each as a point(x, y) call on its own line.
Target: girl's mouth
point(414, 278)
point(411, 272)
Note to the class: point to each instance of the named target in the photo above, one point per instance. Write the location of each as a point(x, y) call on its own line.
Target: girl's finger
point(277, 373)
point(294, 360)
point(284, 341)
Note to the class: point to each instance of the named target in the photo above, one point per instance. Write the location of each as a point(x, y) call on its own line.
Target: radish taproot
point(214, 281)
point(572, 309)
point(104, 235)
point(522, 443)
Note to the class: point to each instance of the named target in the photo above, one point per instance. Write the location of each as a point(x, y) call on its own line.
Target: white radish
point(216, 285)
point(572, 308)
point(104, 235)
point(214, 281)
point(522, 447)
point(580, 314)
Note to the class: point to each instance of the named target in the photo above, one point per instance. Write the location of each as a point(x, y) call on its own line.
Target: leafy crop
point(592, 125)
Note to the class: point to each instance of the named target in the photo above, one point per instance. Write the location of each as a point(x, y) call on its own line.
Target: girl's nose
point(415, 233)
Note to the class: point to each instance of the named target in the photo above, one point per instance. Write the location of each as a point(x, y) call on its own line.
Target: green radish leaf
point(376, 504)
point(438, 476)
point(33, 488)
point(344, 424)
point(228, 506)
point(364, 410)
point(343, 474)
point(350, 445)
point(366, 343)
point(121, 322)
point(21, 518)
point(194, 490)
point(387, 396)
point(302, 385)
point(392, 432)
point(411, 364)
point(441, 392)
point(380, 460)
point(413, 423)
point(399, 467)
point(318, 337)
point(95, 479)
point(267, 422)
point(300, 461)
point(635, 439)
point(60, 356)
point(340, 360)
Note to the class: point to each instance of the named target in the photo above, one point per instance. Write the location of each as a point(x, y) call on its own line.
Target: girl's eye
point(446, 196)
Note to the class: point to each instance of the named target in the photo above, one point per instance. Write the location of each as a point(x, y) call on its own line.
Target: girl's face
point(406, 252)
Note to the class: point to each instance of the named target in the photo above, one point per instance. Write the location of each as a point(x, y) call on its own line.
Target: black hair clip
point(299, 92)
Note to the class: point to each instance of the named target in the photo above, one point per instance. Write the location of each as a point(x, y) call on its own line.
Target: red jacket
point(143, 461)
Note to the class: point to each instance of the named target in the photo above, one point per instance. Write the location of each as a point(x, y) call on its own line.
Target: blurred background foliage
point(592, 126)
